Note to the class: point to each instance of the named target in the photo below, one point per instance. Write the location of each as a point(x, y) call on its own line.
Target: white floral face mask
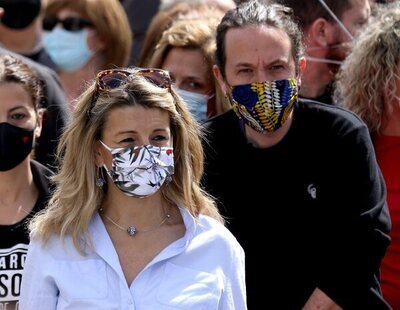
point(140, 171)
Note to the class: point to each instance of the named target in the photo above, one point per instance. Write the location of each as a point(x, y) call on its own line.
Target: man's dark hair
point(308, 11)
point(258, 12)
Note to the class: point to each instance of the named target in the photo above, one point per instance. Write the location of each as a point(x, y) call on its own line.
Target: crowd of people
point(148, 166)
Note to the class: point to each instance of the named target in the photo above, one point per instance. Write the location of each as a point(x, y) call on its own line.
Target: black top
point(56, 116)
point(326, 97)
point(314, 203)
point(42, 57)
point(139, 15)
point(14, 240)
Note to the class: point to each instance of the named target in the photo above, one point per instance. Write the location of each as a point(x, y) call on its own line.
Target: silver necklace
point(132, 230)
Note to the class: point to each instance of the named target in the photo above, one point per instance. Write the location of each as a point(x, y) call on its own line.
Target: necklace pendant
point(131, 230)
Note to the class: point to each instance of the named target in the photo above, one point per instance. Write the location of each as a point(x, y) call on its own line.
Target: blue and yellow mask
point(264, 106)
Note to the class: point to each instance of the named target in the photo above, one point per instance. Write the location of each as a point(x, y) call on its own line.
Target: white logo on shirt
point(312, 191)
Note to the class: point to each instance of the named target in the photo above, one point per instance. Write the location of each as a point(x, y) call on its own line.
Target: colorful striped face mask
point(264, 106)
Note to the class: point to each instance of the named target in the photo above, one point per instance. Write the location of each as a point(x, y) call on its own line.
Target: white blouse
point(202, 270)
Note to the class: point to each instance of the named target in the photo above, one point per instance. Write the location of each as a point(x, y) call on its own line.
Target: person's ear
point(39, 122)
point(98, 157)
point(301, 68)
point(319, 32)
point(302, 65)
point(220, 78)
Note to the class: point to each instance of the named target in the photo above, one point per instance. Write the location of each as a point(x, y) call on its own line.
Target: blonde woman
point(186, 49)
point(83, 37)
point(128, 218)
point(369, 85)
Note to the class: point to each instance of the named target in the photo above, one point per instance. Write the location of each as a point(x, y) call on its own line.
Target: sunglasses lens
point(74, 23)
point(69, 23)
point(160, 78)
point(49, 22)
point(112, 79)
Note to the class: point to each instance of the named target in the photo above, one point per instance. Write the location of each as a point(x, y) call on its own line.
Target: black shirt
point(314, 203)
point(14, 240)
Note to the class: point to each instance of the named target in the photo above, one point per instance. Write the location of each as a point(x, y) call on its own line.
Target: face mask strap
point(322, 2)
point(324, 60)
point(228, 96)
point(106, 146)
point(333, 46)
point(184, 92)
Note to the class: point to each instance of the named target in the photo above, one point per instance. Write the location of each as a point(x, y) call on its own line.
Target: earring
point(99, 177)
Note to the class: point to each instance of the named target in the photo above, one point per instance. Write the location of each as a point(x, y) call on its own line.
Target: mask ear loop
point(322, 2)
point(324, 60)
point(106, 146)
point(241, 120)
point(110, 173)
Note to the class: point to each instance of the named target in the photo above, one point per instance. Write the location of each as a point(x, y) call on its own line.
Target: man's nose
point(262, 75)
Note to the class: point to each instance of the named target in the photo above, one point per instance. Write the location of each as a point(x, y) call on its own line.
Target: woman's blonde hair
point(193, 34)
point(77, 198)
point(366, 82)
point(165, 18)
point(110, 21)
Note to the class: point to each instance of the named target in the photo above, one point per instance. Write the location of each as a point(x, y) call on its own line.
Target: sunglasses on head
point(114, 78)
point(72, 23)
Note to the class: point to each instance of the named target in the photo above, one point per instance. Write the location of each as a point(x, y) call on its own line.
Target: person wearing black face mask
point(20, 29)
point(24, 183)
point(56, 114)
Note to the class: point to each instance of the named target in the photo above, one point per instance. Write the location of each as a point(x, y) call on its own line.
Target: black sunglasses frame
point(72, 23)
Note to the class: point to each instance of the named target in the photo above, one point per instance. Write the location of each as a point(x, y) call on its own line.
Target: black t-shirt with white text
point(14, 240)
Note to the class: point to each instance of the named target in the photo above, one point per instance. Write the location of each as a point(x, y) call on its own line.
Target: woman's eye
point(160, 138)
point(195, 85)
point(18, 116)
point(127, 141)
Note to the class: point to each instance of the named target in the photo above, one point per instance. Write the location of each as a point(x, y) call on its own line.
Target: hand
point(320, 301)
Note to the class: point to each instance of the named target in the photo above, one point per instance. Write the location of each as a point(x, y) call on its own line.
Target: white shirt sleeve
point(234, 295)
point(38, 290)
